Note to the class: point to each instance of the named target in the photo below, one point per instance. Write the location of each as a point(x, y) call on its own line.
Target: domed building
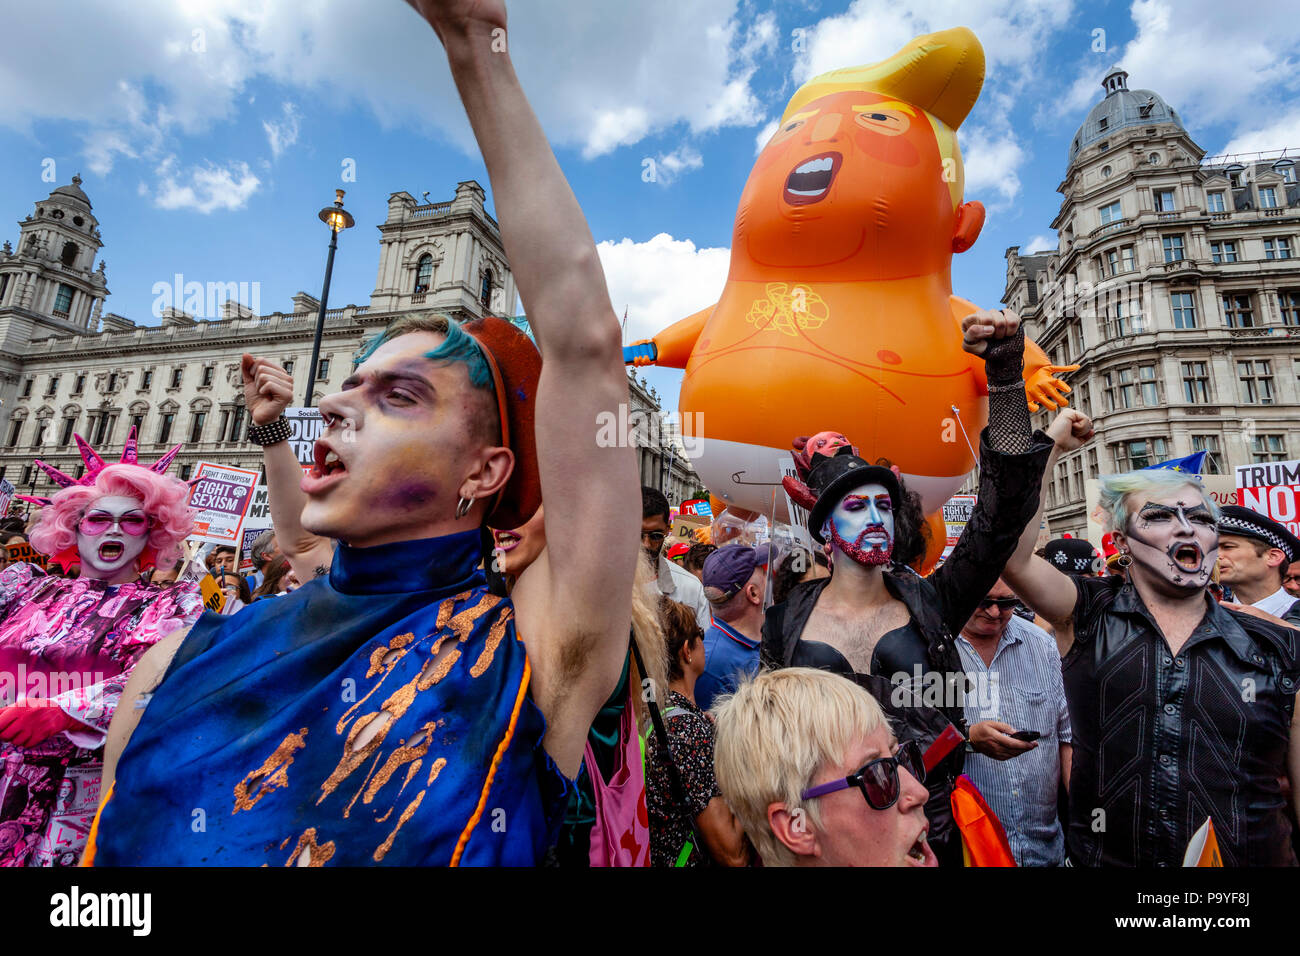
point(1175, 284)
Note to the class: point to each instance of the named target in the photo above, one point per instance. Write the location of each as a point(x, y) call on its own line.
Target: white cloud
point(204, 188)
point(992, 161)
point(668, 167)
point(661, 281)
point(1039, 244)
point(765, 134)
point(142, 73)
point(1284, 131)
point(284, 134)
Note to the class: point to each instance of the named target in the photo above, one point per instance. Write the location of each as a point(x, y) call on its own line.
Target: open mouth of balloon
point(810, 181)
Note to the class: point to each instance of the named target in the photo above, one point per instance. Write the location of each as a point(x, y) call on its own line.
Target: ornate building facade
point(66, 368)
point(1176, 286)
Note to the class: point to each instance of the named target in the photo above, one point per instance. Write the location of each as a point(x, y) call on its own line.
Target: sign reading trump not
point(222, 496)
point(1272, 489)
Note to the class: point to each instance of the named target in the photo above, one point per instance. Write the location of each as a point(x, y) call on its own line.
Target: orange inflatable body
point(838, 312)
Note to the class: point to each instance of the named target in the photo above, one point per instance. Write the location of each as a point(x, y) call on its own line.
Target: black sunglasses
point(1004, 604)
point(655, 536)
point(878, 780)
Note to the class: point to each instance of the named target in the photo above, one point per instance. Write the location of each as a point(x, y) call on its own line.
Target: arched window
point(70, 252)
point(423, 273)
point(485, 291)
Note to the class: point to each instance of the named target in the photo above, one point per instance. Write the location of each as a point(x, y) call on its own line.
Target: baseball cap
point(728, 568)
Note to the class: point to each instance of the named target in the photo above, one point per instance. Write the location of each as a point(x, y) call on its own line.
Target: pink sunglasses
point(97, 522)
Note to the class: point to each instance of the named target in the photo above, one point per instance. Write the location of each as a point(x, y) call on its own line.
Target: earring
point(463, 506)
point(1121, 559)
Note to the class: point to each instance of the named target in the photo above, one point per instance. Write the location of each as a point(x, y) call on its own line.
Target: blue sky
point(208, 135)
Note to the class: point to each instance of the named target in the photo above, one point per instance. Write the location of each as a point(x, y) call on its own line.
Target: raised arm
point(573, 605)
point(1041, 586)
point(268, 390)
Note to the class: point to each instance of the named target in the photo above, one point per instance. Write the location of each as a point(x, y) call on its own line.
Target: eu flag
point(1192, 464)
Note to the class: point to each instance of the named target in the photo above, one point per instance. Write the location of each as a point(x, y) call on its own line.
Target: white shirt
point(685, 588)
point(1277, 603)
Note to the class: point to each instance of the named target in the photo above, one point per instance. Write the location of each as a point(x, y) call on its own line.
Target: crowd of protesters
point(411, 674)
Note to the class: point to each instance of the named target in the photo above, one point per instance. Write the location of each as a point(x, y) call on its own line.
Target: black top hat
point(1245, 523)
point(830, 479)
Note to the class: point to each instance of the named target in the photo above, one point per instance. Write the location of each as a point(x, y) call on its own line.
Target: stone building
point(1175, 284)
point(66, 368)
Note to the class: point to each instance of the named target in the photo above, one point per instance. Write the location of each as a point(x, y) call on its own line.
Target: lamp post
point(338, 219)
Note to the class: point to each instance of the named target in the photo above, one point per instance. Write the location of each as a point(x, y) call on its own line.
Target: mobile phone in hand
point(1028, 736)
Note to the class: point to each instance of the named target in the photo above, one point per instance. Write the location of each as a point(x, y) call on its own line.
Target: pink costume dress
point(74, 641)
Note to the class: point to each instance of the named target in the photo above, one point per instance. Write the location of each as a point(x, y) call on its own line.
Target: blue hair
point(458, 346)
point(1115, 490)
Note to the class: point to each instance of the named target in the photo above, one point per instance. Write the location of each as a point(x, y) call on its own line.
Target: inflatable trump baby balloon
point(838, 310)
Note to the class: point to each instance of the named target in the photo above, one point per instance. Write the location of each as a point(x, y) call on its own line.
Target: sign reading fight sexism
point(1272, 489)
point(222, 496)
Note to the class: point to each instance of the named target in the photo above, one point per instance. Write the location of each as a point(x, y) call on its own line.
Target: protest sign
point(685, 526)
point(697, 506)
point(1273, 490)
point(305, 426)
point(7, 492)
point(25, 552)
point(956, 512)
point(246, 548)
point(259, 512)
point(214, 599)
point(222, 496)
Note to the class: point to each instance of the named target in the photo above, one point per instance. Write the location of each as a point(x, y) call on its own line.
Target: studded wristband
point(269, 434)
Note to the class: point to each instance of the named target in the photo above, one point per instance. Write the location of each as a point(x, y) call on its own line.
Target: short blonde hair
point(775, 734)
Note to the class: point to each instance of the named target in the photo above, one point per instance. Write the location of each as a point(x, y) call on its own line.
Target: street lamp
point(338, 219)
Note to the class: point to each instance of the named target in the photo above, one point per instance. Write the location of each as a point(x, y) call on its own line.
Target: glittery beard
point(868, 557)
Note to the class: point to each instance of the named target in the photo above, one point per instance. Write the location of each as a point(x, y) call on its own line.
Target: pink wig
point(165, 500)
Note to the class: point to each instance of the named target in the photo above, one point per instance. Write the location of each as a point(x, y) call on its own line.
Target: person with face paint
point(1181, 708)
point(875, 620)
point(68, 645)
point(394, 711)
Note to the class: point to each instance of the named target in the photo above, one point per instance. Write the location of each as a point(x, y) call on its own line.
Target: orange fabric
point(88, 858)
point(984, 842)
point(492, 770)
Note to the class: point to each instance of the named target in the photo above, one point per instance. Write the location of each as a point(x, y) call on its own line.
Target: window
point(1184, 310)
point(69, 255)
point(177, 374)
point(112, 381)
point(1110, 214)
point(27, 475)
point(1256, 377)
point(1213, 457)
point(196, 426)
point(1222, 252)
point(1266, 448)
point(1085, 403)
point(15, 427)
point(1150, 393)
point(224, 430)
point(1267, 197)
point(1290, 304)
point(80, 385)
point(1106, 171)
point(288, 366)
point(1102, 124)
point(27, 388)
point(1108, 391)
point(147, 378)
point(1126, 258)
point(1237, 311)
point(4, 287)
point(1140, 453)
point(207, 375)
point(1216, 202)
point(1277, 248)
point(1112, 262)
point(1126, 388)
point(485, 290)
point(52, 387)
point(323, 370)
point(1164, 200)
point(186, 472)
point(1123, 322)
point(1173, 248)
point(104, 429)
point(1196, 383)
point(237, 424)
point(68, 425)
point(137, 422)
point(38, 437)
point(1287, 169)
point(423, 274)
point(63, 301)
point(165, 431)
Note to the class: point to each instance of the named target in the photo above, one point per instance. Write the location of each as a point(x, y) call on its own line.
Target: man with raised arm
point(394, 711)
point(1181, 709)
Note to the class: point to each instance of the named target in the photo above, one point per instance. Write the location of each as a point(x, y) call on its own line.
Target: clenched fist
point(1070, 429)
point(268, 389)
point(978, 328)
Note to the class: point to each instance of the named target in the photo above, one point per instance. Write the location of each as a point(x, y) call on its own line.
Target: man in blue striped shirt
point(1014, 685)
